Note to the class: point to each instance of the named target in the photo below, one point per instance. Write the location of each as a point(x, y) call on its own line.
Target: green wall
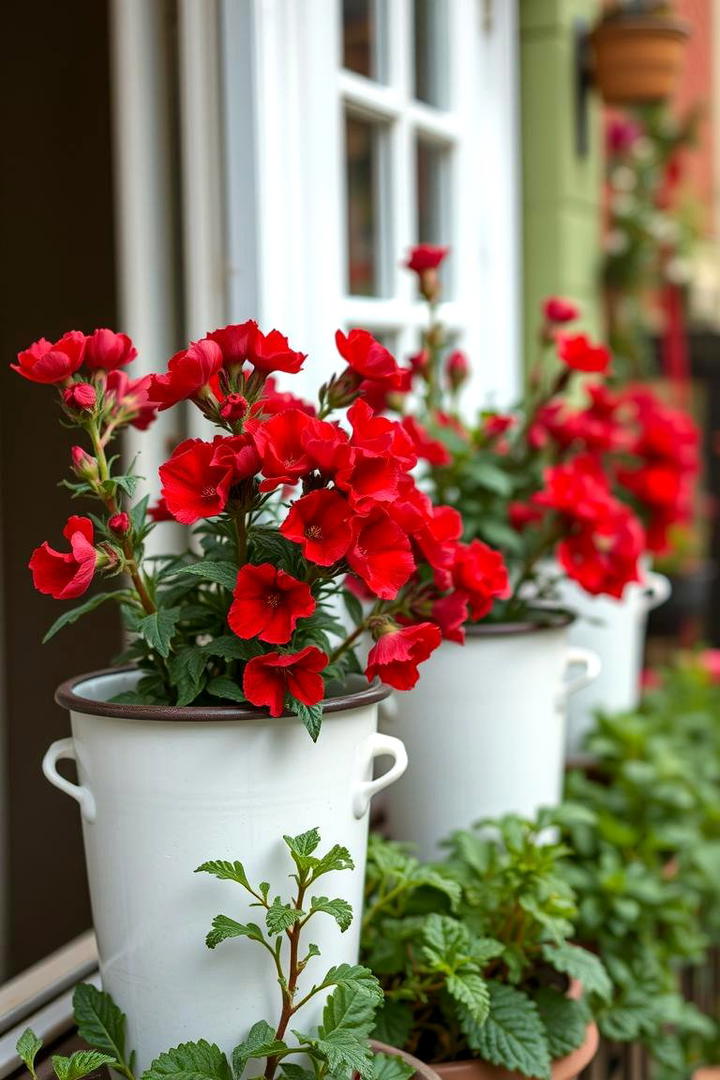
point(561, 189)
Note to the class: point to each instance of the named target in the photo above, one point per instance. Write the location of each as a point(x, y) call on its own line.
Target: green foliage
point(101, 1024)
point(466, 949)
point(75, 1067)
point(190, 1061)
point(28, 1047)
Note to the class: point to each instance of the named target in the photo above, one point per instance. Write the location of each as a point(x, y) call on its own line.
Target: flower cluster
point(544, 479)
point(291, 510)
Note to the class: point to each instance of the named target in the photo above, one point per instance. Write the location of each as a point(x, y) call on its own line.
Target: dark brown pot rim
point(424, 1071)
point(654, 23)
point(66, 696)
point(545, 621)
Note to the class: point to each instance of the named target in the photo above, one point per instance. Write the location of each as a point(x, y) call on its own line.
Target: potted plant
point(481, 978)
point(638, 50)
point(237, 652)
point(503, 695)
point(336, 1011)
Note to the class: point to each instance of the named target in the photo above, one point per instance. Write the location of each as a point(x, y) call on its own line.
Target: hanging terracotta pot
point(566, 1068)
point(637, 56)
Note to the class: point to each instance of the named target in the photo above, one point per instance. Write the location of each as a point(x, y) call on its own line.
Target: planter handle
point(375, 746)
point(61, 749)
point(657, 589)
point(589, 661)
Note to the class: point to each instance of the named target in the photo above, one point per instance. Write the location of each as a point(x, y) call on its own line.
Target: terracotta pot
point(161, 789)
point(565, 1068)
point(423, 1071)
point(638, 58)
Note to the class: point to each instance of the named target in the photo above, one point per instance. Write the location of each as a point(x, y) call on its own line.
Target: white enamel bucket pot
point(484, 730)
point(615, 629)
point(161, 790)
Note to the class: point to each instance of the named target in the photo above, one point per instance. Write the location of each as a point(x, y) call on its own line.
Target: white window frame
point(283, 95)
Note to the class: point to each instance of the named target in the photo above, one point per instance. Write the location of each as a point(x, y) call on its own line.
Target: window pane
point(431, 51)
point(432, 163)
point(362, 43)
point(363, 142)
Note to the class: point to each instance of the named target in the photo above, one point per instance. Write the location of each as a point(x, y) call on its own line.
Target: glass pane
point(431, 50)
point(361, 37)
point(363, 164)
point(432, 163)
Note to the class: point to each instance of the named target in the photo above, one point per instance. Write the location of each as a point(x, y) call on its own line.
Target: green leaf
point(222, 573)
point(229, 647)
point(391, 1067)
point(28, 1047)
point(582, 965)
point(80, 1064)
point(128, 484)
point(291, 1071)
point(444, 941)
point(225, 871)
point(302, 846)
point(311, 716)
point(69, 617)
point(224, 927)
point(190, 1061)
point(489, 476)
point(346, 1052)
point(138, 514)
point(513, 1034)
point(100, 1022)
point(259, 1042)
point(340, 910)
point(157, 629)
point(471, 990)
point(354, 607)
point(280, 917)
point(565, 1021)
point(393, 1023)
point(346, 1025)
point(356, 979)
point(337, 858)
point(226, 688)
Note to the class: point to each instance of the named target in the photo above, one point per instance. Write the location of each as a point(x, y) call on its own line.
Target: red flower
point(236, 342)
point(426, 448)
point(65, 575)
point(269, 679)
point(189, 371)
point(457, 369)
point(395, 656)
point(558, 310)
point(578, 489)
point(292, 444)
point(495, 424)
point(80, 396)
point(320, 523)
point(368, 358)
point(237, 454)
point(234, 407)
point(451, 613)
point(580, 354)
point(194, 485)
point(479, 574)
point(425, 257)
point(159, 512)
point(132, 397)
point(52, 362)
point(274, 401)
point(120, 523)
point(521, 514)
point(271, 352)
point(107, 350)
point(603, 558)
point(380, 554)
point(267, 604)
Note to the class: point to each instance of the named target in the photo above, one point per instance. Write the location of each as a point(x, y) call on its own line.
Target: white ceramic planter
point(615, 630)
point(162, 790)
point(484, 730)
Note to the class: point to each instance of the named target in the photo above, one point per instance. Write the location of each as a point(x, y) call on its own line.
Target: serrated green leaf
point(127, 483)
point(291, 1071)
point(393, 1023)
point(280, 917)
point(353, 606)
point(513, 1035)
point(222, 686)
point(69, 617)
point(224, 928)
point(564, 1019)
point(337, 858)
point(311, 716)
point(80, 1064)
point(347, 1021)
point(100, 1022)
point(157, 629)
point(259, 1042)
point(471, 991)
point(355, 978)
point(391, 1067)
point(28, 1047)
point(444, 942)
point(225, 871)
point(582, 965)
point(190, 1061)
point(340, 910)
point(232, 648)
point(221, 573)
point(302, 847)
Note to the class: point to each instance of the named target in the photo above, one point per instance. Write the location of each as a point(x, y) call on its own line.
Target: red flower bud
point(558, 310)
point(84, 466)
point(457, 369)
point(80, 397)
point(120, 524)
point(107, 350)
point(234, 407)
